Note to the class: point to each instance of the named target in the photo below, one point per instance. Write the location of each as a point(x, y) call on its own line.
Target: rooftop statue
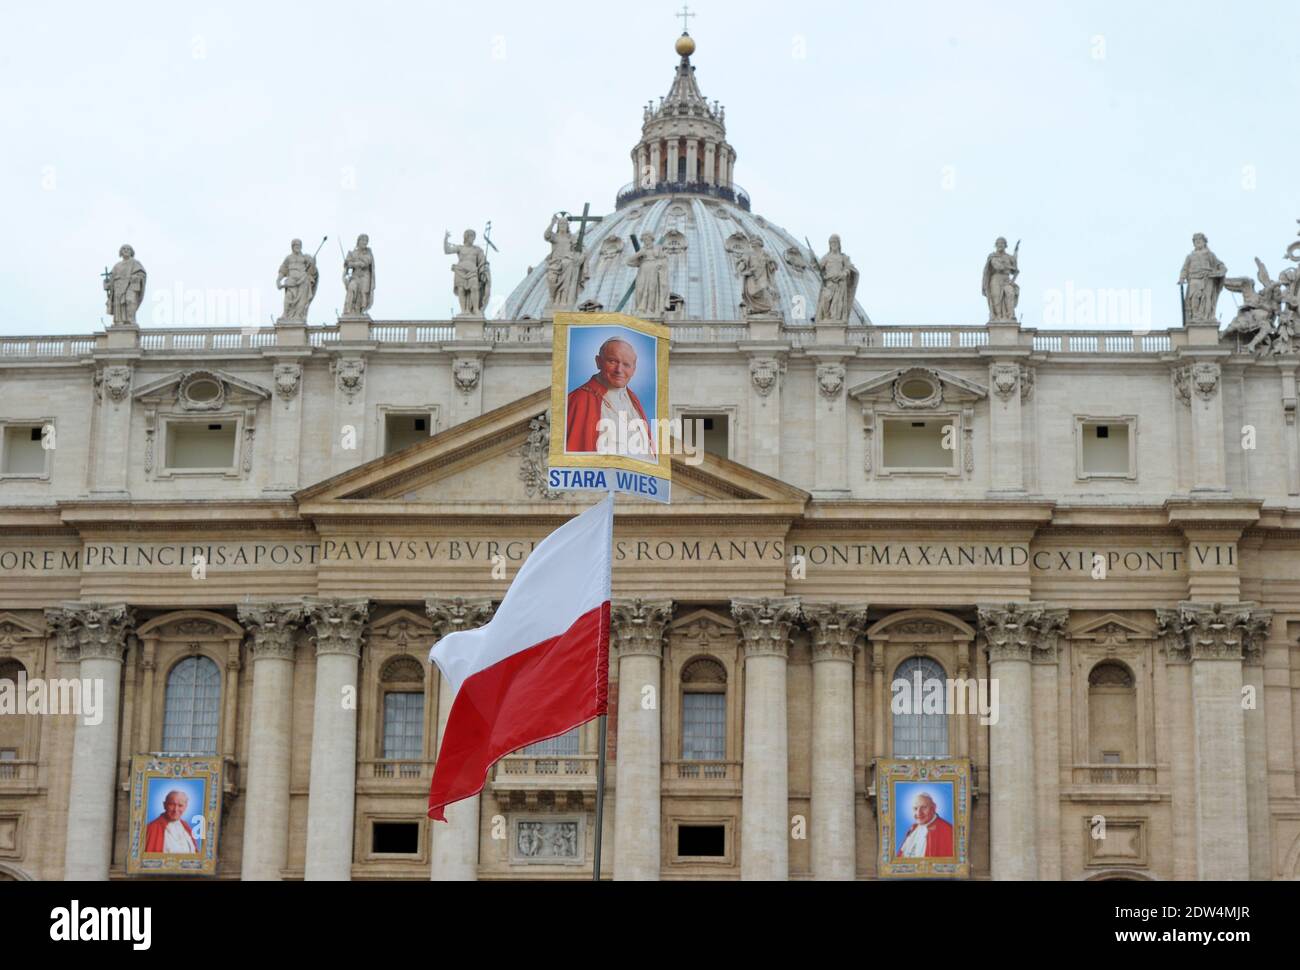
point(124, 286)
point(999, 287)
point(1203, 273)
point(566, 268)
point(756, 268)
point(839, 284)
point(472, 279)
point(359, 279)
point(298, 277)
point(651, 263)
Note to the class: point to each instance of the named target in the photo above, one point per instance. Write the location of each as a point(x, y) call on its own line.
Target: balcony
point(18, 777)
point(1110, 774)
point(530, 781)
point(392, 775)
point(633, 191)
point(712, 777)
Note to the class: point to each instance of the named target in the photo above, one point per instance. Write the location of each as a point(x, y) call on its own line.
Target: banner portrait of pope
point(609, 410)
point(929, 836)
point(173, 805)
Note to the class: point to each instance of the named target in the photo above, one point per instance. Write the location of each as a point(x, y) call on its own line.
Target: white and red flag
point(541, 665)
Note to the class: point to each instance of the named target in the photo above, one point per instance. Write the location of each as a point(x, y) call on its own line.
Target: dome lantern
point(683, 146)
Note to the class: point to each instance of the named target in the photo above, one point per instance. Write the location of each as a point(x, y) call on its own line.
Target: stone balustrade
point(392, 333)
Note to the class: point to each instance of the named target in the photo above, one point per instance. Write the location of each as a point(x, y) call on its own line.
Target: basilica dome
point(684, 194)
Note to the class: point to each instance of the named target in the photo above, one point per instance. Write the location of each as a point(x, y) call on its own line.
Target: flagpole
point(600, 800)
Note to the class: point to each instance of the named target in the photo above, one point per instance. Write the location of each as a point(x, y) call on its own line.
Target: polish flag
point(541, 665)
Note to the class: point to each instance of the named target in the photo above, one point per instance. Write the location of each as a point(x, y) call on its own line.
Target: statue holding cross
point(566, 267)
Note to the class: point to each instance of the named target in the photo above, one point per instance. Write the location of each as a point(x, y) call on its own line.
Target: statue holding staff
point(1000, 287)
point(124, 288)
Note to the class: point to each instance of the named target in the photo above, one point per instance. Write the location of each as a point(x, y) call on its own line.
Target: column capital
point(336, 624)
point(1214, 631)
point(62, 622)
point(1022, 631)
point(271, 627)
point(451, 614)
point(765, 624)
point(638, 627)
point(836, 628)
point(91, 631)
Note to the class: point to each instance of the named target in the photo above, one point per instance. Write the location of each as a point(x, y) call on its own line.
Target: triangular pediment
point(499, 459)
point(175, 383)
point(14, 628)
point(1112, 626)
point(954, 388)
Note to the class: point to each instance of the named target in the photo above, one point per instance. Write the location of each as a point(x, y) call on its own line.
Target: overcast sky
point(208, 135)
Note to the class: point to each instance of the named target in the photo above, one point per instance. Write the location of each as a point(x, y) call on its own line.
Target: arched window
point(402, 680)
point(193, 707)
point(1112, 714)
point(13, 730)
point(704, 711)
point(922, 730)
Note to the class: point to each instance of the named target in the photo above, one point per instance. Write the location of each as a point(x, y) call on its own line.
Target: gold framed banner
point(610, 430)
point(923, 809)
point(175, 815)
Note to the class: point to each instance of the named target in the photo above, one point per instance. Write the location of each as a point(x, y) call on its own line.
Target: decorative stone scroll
point(455, 613)
point(638, 627)
point(765, 624)
point(271, 627)
point(337, 624)
point(1022, 631)
point(1214, 631)
point(836, 629)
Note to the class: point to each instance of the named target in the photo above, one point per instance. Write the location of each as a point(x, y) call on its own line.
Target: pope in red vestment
point(155, 833)
point(938, 838)
point(616, 363)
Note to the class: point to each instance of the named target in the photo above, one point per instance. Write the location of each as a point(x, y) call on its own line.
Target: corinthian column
point(1215, 638)
point(336, 625)
point(271, 628)
point(454, 843)
point(836, 629)
point(764, 843)
point(1013, 633)
point(96, 636)
point(638, 637)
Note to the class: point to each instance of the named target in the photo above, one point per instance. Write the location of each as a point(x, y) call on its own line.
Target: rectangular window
point(23, 451)
point(1105, 447)
point(1111, 758)
point(395, 838)
point(206, 445)
point(566, 745)
point(9, 770)
point(404, 725)
point(704, 726)
point(702, 841)
point(912, 444)
point(403, 430)
point(712, 432)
